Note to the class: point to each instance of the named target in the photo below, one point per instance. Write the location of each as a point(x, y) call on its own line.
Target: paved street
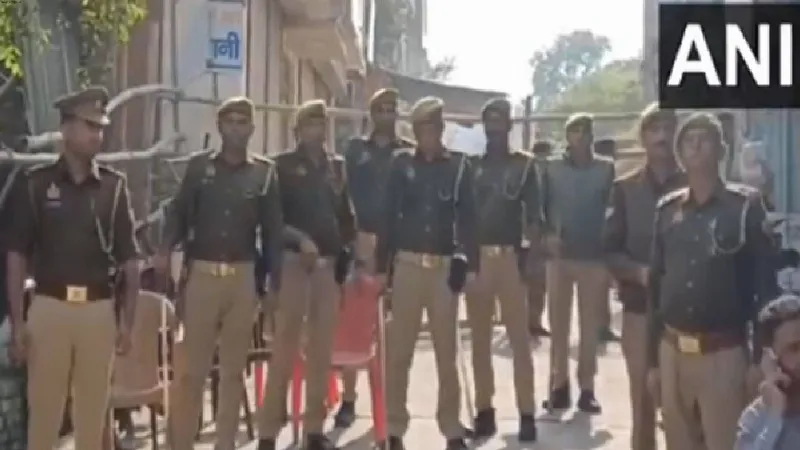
point(608, 431)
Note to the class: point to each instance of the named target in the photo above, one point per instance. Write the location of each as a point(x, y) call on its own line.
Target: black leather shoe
point(345, 416)
point(266, 444)
point(559, 399)
point(527, 428)
point(606, 335)
point(485, 424)
point(456, 444)
point(395, 443)
point(588, 403)
point(319, 442)
point(539, 331)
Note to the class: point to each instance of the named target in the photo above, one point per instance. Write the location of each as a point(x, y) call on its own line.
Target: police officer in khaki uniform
point(711, 270)
point(368, 159)
point(629, 236)
point(226, 199)
point(74, 210)
point(320, 228)
point(533, 258)
point(429, 215)
point(507, 201)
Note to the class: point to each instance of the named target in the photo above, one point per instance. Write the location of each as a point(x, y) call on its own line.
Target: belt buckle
point(77, 294)
point(688, 344)
point(427, 261)
point(225, 270)
point(493, 250)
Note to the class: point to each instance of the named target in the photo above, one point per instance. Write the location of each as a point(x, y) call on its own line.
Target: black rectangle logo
point(727, 56)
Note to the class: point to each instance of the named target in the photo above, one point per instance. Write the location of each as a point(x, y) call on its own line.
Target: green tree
point(100, 22)
point(568, 60)
point(440, 71)
point(616, 87)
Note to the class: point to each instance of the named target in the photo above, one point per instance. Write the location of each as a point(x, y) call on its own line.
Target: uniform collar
point(443, 156)
point(217, 154)
point(394, 143)
point(63, 170)
point(568, 157)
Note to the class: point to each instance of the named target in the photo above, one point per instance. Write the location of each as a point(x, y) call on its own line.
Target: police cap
point(383, 97)
point(499, 106)
point(579, 121)
point(312, 109)
point(239, 105)
point(88, 104)
point(428, 110)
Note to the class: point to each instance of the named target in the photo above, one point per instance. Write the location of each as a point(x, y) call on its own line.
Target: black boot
point(266, 444)
point(456, 444)
point(485, 424)
point(319, 442)
point(606, 335)
point(559, 399)
point(345, 416)
point(395, 443)
point(527, 428)
point(588, 403)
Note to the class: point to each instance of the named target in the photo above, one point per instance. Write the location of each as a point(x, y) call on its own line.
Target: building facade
point(296, 50)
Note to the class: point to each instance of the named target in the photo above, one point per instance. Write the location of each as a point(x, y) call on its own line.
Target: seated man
point(772, 421)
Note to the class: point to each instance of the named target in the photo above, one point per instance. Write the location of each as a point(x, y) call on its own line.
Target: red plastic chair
point(357, 346)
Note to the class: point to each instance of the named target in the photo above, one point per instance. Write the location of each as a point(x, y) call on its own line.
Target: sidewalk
point(609, 431)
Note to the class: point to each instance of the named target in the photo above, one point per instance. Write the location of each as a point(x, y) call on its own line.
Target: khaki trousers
point(536, 285)
point(219, 314)
point(591, 280)
point(308, 300)
point(365, 250)
point(418, 288)
point(71, 350)
point(702, 397)
point(500, 280)
point(643, 411)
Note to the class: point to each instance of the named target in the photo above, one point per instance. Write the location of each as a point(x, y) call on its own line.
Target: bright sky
point(492, 40)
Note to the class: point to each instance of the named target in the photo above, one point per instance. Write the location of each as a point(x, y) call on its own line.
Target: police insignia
point(410, 173)
point(53, 193)
point(364, 157)
point(301, 170)
point(210, 170)
point(609, 211)
point(478, 171)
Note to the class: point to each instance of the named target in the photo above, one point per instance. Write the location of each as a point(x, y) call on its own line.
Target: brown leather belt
point(424, 260)
point(77, 294)
point(703, 343)
point(493, 251)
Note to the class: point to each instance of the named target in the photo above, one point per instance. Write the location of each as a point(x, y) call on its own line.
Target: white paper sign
point(226, 36)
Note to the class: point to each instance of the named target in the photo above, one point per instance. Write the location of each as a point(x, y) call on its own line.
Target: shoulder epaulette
point(403, 151)
point(105, 168)
point(630, 175)
point(741, 189)
point(407, 142)
point(39, 168)
point(604, 159)
point(670, 197)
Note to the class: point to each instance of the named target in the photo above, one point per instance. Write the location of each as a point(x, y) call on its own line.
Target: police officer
point(710, 270)
point(368, 160)
point(533, 258)
point(72, 210)
point(225, 199)
point(508, 207)
point(576, 185)
point(606, 147)
point(320, 226)
point(629, 233)
point(429, 214)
